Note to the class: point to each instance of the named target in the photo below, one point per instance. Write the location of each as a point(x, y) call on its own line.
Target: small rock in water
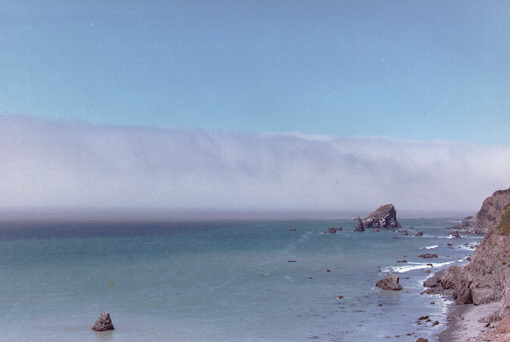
point(421, 339)
point(455, 234)
point(419, 234)
point(103, 323)
point(390, 283)
point(429, 255)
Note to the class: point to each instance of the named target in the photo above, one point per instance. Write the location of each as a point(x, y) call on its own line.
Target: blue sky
point(422, 70)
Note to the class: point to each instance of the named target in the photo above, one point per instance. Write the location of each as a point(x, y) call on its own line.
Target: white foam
point(430, 247)
point(411, 266)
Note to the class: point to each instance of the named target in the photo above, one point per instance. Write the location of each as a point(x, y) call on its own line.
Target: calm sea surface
point(220, 281)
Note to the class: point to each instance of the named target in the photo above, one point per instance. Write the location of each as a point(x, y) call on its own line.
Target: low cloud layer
point(67, 165)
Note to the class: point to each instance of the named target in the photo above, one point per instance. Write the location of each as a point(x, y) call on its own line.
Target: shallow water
point(219, 281)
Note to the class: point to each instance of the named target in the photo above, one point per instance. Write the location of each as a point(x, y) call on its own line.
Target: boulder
point(419, 234)
point(384, 217)
point(390, 283)
point(431, 282)
point(103, 323)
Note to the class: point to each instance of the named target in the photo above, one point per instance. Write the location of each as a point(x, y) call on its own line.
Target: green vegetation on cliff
point(504, 223)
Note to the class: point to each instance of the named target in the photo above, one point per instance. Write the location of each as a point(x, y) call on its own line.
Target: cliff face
point(491, 212)
point(487, 277)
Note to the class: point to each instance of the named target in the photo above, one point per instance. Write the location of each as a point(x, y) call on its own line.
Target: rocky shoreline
point(481, 289)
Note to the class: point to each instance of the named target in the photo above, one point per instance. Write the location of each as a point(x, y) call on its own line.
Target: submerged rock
point(390, 283)
point(333, 230)
point(384, 217)
point(103, 323)
point(429, 255)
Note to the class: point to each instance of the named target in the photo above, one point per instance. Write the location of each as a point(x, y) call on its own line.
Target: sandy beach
point(466, 324)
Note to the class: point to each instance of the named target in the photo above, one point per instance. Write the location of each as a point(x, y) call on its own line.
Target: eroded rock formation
point(360, 227)
point(384, 217)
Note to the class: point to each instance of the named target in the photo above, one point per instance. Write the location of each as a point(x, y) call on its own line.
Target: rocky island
point(384, 217)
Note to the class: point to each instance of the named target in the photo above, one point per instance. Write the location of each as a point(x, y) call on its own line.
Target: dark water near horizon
point(219, 281)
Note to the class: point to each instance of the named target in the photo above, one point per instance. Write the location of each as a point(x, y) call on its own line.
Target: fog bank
point(64, 165)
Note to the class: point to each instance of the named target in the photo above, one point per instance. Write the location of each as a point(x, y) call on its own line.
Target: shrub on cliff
point(504, 223)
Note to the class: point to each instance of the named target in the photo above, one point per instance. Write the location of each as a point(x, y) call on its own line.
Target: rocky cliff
point(491, 212)
point(487, 277)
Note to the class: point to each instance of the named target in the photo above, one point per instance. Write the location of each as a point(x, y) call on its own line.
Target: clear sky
point(421, 70)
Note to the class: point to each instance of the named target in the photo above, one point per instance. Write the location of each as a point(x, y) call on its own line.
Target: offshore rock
point(384, 217)
point(333, 230)
point(390, 283)
point(360, 227)
point(428, 255)
point(103, 323)
point(467, 224)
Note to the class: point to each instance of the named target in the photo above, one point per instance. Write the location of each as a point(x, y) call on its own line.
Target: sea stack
point(104, 322)
point(384, 217)
point(360, 227)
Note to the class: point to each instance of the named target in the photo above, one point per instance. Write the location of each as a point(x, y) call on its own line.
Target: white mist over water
point(67, 165)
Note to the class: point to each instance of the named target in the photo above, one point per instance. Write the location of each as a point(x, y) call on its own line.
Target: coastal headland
point(481, 289)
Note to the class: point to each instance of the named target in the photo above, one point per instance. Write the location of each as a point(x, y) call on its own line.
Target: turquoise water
point(219, 281)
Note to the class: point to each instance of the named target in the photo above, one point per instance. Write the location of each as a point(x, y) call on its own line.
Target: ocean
point(221, 281)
